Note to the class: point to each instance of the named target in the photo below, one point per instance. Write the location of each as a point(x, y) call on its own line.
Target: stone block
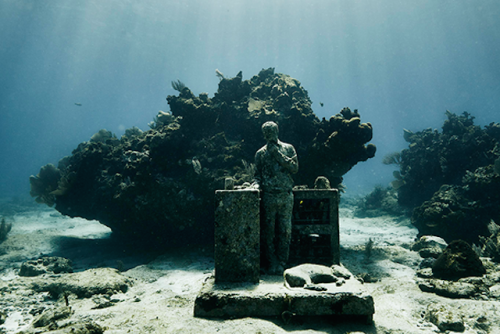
point(237, 236)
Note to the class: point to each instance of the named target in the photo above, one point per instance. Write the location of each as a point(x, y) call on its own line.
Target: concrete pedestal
point(271, 298)
point(237, 236)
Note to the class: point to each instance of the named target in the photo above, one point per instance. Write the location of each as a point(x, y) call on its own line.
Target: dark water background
point(401, 63)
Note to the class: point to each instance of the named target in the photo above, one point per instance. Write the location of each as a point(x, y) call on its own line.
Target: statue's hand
point(272, 148)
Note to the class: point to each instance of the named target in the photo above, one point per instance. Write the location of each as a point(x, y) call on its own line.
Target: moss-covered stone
point(458, 260)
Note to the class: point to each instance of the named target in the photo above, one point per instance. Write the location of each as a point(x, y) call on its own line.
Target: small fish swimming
point(78, 104)
point(321, 104)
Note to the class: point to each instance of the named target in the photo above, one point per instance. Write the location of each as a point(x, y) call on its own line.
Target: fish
point(78, 104)
point(321, 104)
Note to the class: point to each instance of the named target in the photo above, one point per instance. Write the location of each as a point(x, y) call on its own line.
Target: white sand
point(165, 286)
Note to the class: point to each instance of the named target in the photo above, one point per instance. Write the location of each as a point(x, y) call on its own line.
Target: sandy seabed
point(165, 285)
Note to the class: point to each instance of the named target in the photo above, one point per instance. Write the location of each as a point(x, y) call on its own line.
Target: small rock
point(102, 302)
point(449, 289)
point(366, 278)
point(473, 280)
point(424, 273)
point(3, 317)
point(429, 241)
point(482, 323)
point(85, 327)
point(50, 316)
point(494, 277)
point(444, 318)
point(45, 265)
point(340, 282)
point(84, 284)
point(427, 263)
point(432, 252)
point(495, 291)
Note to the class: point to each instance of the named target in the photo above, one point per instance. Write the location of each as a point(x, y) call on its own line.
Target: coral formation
point(434, 158)
point(160, 183)
point(458, 260)
point(381, 201)
point(449, 178)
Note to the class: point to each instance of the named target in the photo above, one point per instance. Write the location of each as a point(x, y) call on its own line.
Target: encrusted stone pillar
point(237, 236)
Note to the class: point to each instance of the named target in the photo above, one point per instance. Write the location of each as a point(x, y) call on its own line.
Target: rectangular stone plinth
point(271, 298)
point(237, 236)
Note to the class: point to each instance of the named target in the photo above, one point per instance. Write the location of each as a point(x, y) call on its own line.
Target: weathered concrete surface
point(271, 298)
point(237, 236)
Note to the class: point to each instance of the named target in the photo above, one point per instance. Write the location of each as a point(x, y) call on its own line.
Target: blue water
point(402, 64)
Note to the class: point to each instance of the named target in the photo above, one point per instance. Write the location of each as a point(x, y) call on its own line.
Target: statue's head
point(270, 131)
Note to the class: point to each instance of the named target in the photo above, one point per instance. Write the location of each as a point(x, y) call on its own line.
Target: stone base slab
point(271, 298)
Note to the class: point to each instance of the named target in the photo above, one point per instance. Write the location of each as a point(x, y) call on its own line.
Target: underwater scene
point(216, 166)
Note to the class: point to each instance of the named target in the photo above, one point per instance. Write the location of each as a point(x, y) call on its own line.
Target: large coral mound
point(452, 178)
point(160, 184)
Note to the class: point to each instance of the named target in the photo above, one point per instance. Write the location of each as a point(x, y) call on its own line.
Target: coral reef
point(159, 184)
point(462, 211)
point(449, 178)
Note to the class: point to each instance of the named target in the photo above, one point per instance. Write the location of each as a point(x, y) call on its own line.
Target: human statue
point(275, 163)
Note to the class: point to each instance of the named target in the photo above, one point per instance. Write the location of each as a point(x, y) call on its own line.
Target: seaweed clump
point(159, 184)
point(449, 178)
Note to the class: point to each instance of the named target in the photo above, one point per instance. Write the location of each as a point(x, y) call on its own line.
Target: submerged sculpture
point(274, 164)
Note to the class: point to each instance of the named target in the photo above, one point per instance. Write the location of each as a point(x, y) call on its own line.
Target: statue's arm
point(258, 170)
point(289, 160)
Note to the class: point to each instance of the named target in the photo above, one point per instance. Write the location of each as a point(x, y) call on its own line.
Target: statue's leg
point(284, 228)
point(267, 231)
